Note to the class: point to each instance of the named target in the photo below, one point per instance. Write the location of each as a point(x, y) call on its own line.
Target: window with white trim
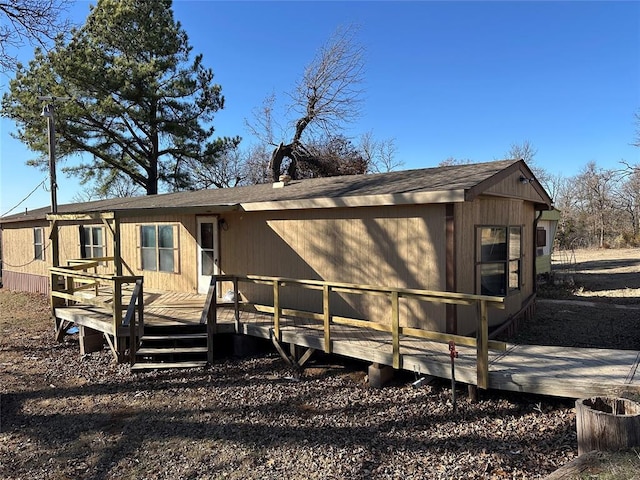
point(499, 259)
point(159, 248)
point(38, 243)
point(92, 241)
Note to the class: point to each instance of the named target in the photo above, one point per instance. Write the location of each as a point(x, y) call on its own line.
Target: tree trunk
point(607, 424)
point(279, 154)
point(152, 185)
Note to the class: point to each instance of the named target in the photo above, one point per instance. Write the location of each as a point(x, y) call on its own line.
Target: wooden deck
point(546, 370)
point(555, 371)
point(160, 309)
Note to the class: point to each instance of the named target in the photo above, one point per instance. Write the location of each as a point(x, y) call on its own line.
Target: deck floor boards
point(547, 370)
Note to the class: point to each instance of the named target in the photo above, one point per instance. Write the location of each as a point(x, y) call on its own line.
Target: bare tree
point(450, 161)
point(527, 151)
point(627, 200)
point(223, 170)
point(522, 151)
point(334, 156)
point(380, 155)
point(327, 97)
point(595, 195)
point(627, 167)
point(256, 168)
point(32, 22)
point(262, 126)
point(116, 186)
point(554, 185)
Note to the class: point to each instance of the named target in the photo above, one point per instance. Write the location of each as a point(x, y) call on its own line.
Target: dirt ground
point(592, 299)
point(66, 416)
point(605, 275)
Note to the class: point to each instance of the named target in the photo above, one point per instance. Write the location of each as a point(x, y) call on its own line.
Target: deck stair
point(175, 346)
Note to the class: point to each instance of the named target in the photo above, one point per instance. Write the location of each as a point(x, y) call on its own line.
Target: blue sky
point(444, 79)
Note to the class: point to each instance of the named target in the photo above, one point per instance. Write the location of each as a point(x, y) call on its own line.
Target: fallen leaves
point(71, 416)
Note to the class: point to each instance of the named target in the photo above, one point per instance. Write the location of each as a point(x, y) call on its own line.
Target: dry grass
point(609, 276)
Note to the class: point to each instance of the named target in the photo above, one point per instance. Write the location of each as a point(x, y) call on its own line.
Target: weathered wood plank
point(326, 317)
point(446, 337)
point(557, 371)
point(354, 322)
point(395, 329)
point(87, 316)
point(483, 345)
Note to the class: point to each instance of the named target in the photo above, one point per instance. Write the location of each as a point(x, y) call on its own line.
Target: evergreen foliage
point(139, 102)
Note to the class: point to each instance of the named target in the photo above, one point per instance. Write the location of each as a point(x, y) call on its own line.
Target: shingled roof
point(428, 185)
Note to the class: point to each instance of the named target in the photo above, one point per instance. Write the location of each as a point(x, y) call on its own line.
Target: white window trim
point(176, 247)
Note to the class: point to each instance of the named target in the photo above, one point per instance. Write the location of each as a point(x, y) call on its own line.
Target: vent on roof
point(283, 180)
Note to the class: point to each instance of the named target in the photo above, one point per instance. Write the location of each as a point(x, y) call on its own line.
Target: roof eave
point(142, 212)
point(443, 196)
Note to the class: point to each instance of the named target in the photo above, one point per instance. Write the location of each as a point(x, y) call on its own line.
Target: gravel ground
point(66, 416)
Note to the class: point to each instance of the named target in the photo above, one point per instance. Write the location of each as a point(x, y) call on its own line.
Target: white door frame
point(205, 280)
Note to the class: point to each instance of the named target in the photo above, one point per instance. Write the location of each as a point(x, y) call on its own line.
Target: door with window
point(208, 258)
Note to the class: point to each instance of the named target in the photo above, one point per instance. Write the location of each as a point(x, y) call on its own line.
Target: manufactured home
point(465, 228)
point(545, 236)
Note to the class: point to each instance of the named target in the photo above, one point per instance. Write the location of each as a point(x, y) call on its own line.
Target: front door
point(208, 258)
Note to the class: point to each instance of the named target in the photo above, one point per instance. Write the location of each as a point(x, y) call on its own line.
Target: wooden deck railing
point(69, 285)
point(482, 302)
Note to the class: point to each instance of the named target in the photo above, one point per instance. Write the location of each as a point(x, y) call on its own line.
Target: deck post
point(276, 308)
point(141, 306)
point(236, 304)
point(117, 303)
point(55, 244)
point(482, 339)
point(132, 337)
point(138, 297)
point(117, 316)
point(326, 292)
point(70, 288)
point(117, 253)
point(96, 287)
point(395, 328)
point(56, 302)
point(212, 317)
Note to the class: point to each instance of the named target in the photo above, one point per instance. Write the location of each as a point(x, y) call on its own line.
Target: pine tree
point(140, 104)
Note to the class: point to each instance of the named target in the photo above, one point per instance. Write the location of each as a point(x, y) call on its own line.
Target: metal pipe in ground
point(453, 353)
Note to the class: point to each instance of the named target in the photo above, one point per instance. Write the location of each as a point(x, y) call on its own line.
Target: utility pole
point(48, 112)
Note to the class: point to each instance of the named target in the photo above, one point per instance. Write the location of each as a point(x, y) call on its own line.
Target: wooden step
point(178, 336)
point(168, 365)
point(169, 350)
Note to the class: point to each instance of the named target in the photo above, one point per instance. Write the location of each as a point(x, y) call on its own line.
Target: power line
point(29, 262)
point(25, 198)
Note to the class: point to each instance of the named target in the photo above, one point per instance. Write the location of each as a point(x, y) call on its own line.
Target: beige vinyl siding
point(184, 278)
point(512, 187)
point(18, 248)
point(491, 211)
point(393, 246)
point(18, 251)
point(70, 245)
